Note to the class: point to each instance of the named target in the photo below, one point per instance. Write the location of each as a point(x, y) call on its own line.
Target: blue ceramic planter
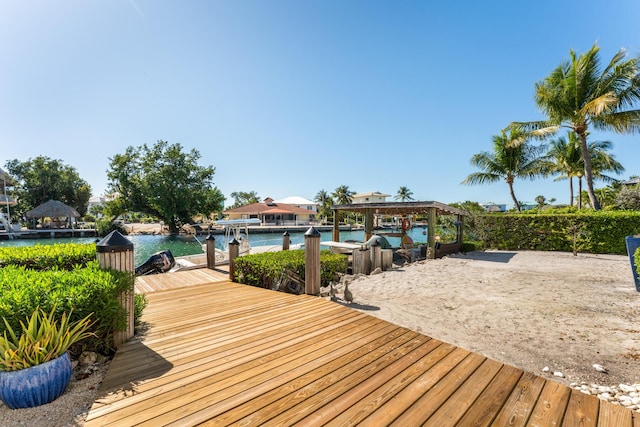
point(36, 385)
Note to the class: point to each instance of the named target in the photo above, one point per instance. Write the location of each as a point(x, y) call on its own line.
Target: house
point(272, 213)
point(300, 202)
point(372, 197)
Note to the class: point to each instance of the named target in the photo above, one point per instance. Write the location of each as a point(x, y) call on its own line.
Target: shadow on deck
point(221, 353)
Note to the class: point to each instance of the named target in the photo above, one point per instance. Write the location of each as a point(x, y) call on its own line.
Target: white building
point(372, 197)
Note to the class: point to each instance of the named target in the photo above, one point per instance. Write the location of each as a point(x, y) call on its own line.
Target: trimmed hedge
point(65, 256)
point(265, 269)
point(588, 231)
point(85, 290)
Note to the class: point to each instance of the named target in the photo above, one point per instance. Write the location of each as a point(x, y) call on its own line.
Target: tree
point(325, 201)
point(42, 179)
point(578, 95)
point(628, 198)
point(404, 194)
point(567, 159)
point(342, 195)
point(512, 157)
point(243, 198)
point(164, 182)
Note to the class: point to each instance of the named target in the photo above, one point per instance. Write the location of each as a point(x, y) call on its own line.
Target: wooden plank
point(429, 402)
point(582, 410)
point(635, 416)
point(487, 406)
point(518, 407)
point(551, 405)
point(612, 415)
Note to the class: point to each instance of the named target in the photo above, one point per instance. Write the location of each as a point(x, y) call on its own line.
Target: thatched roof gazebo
point(53, 209)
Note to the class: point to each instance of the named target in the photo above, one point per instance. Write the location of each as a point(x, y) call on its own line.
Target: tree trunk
point(513, 195)
point(580, 193)
point(588, 175)
point(571, 191)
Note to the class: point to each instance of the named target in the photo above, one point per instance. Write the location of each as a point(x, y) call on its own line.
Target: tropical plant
point(324, 200)
point(163, 182)
point(42, 179)
point(578, 95)
point(342, 195)
point(512, 157)
point(404, 194)
point(243, 198)
point(43, 338)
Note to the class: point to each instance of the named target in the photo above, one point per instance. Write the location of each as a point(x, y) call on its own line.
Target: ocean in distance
point(144, 245)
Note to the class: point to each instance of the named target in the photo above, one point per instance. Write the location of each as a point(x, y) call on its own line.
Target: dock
point(214, 352)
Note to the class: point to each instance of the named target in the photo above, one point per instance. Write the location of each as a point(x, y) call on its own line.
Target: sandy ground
point(529, 309)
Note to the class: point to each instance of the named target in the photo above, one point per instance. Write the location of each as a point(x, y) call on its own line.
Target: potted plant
point(35, 367)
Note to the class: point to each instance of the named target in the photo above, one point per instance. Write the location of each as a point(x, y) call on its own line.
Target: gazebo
point(404, 209)
point(53, 209)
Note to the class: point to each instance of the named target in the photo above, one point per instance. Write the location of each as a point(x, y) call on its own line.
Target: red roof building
point(272, 213)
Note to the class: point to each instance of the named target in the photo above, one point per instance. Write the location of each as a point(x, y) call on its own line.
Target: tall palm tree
point(513, 157)
point(404, 194)
point(325, 201)
point(566, 157)
point(578, 95)
point(342, 195)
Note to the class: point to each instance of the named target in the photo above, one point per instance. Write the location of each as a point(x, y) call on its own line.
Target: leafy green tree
point(243, 198)
point(513, 157)
point(164, 182)
point(628, 198)
point(578, 95)
point(404, 194)
point(42, 179)
point(325, 201)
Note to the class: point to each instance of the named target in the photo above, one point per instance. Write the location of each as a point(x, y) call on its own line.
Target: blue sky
point(288, 97)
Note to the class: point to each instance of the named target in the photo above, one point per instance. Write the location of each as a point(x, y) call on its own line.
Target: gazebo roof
point(52, 208)
point(400, 208)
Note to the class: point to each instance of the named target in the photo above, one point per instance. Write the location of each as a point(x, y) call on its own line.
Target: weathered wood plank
point(520, 404)
point(551, 405)
point(613, 415)
point(582, 410)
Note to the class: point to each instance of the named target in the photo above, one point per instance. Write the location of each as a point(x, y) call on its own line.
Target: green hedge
point(265, 269)
point(64, 256)
point(589, 231)
point(85, 290)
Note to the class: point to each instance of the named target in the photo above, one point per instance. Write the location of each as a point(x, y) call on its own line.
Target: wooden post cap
point(114, 242)
point(312, 232)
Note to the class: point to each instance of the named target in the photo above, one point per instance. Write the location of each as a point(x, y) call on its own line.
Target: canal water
point(146, 245)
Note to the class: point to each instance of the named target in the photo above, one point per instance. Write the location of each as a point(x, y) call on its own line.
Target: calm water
point(146, 245)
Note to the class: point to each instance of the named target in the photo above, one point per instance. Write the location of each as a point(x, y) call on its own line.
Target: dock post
point(361, 261)
point(376, 255)
point(312, 262)
point(234, 251)
point(116, 252)
point(286, 240)
point(211, 252)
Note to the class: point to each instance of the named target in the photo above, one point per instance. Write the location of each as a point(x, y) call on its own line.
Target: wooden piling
point(234, 251)
point(312, 262)
point(211, 251)
point(376, 255)
point(115, 252)
point(286, 240)
point(361, 263)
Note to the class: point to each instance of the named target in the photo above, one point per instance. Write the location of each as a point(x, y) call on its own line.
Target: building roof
point(296, 200)
point(400, 208)
point(267, 207)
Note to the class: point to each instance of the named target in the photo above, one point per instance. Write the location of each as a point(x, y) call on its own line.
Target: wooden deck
point(220, 353)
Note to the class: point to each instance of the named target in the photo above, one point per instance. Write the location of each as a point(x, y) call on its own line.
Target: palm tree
point(342, 195)
point(567, 159)
point(512, 157)
point(325, 201)
point(578, 94)
point(404, 194)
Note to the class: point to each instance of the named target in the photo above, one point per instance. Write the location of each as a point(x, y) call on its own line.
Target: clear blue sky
point(287, 97)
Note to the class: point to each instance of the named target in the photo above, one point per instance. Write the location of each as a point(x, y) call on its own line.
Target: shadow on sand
point(503, 257)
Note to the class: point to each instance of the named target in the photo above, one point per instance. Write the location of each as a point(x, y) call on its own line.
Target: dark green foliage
point(263, 270)
point(588, 231)
point(106, 226)
point(85, 290)
point(46, 257)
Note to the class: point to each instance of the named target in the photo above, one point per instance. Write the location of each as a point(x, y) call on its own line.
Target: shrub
point(66, 256)
point(105, 227)
point(265, 269)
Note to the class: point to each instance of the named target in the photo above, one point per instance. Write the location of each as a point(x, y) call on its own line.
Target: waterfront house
point(371, 197)
point(271, 212)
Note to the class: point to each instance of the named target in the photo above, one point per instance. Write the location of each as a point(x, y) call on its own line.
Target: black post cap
point(114, 242)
